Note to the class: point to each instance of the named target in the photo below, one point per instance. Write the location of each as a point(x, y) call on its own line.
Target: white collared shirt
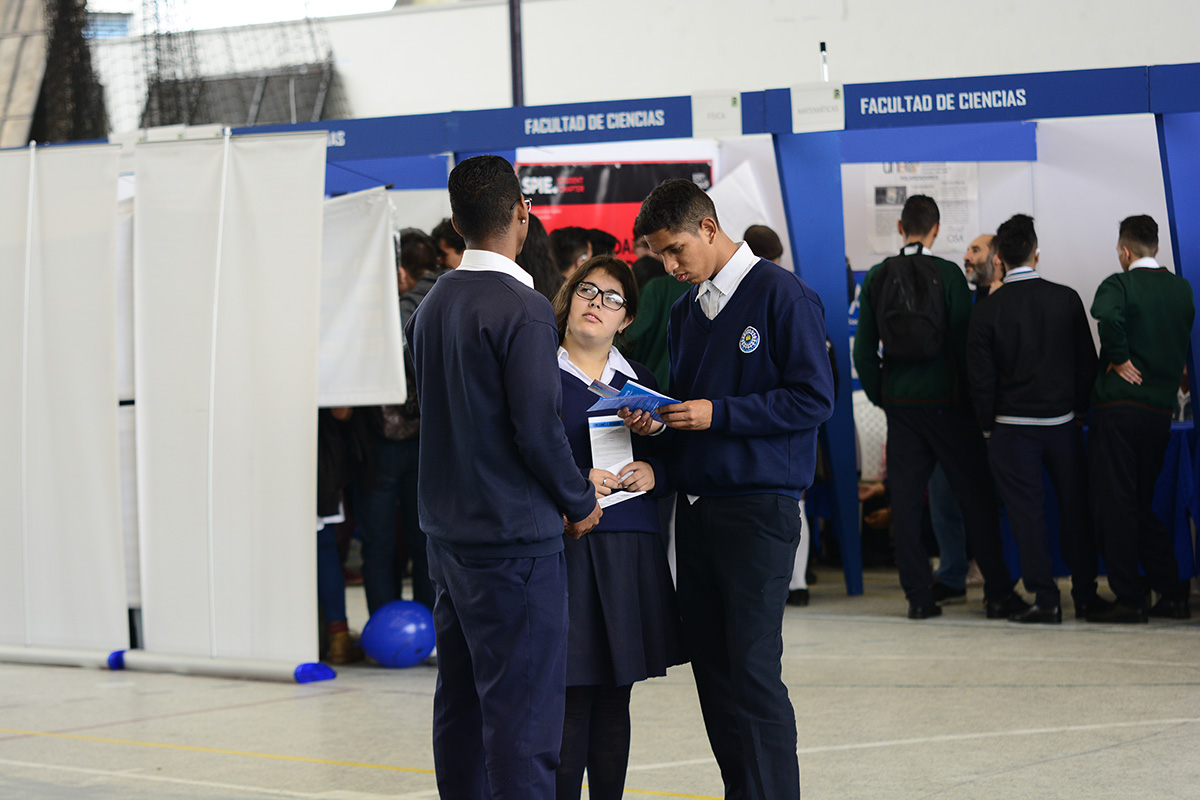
point(487, 261)
point(722, 285)
point(914, 248)
point(616, 363)
point(1145, 263)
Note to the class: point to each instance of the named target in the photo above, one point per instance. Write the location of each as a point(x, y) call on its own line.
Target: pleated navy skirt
point(624, 618)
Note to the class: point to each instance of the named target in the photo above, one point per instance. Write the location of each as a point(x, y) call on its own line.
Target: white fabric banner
point(14, 206)
point(227, 243)
point(362, 351)
point(67, 542)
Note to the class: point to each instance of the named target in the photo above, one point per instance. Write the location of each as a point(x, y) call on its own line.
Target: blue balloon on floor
point(400, 634)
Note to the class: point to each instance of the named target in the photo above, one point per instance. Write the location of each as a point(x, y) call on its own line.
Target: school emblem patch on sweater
point(749, 341)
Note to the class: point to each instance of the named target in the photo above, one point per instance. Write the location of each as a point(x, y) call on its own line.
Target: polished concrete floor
point(956, 707)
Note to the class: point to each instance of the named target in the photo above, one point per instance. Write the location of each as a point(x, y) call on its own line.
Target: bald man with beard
point(982, 268)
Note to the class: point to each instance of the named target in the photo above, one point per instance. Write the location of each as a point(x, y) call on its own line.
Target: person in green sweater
point(646, 337)
point(930, 420)
point(1144, 315)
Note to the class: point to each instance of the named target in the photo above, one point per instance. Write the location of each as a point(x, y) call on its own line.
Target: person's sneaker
point(1119, 614)
point(924, 612)
point(1036, 615)
point(1007, 608)
point(798, 597)
point(943, 593)
point(1095, 605)
point(344, 648)
point(1171, 609)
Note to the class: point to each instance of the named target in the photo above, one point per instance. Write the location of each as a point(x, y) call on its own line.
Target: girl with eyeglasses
point(624, 618)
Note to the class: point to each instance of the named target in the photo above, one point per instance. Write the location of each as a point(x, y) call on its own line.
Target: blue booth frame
point(882, 123)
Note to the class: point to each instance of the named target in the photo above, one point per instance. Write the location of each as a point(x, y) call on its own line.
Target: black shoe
point(1007, 608)
point(1096, 604)
point(798, 597)
point(947, 594)
point(1119, 614)
point(1036, 614)
point(1171, 609)
point(924, 612)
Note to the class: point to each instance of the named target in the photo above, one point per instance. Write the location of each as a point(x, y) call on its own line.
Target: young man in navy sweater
point(497, 479)
point(747, 347)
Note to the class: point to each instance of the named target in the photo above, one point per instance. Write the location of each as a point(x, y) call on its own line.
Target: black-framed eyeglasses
point(610, 299)
point(528, 204)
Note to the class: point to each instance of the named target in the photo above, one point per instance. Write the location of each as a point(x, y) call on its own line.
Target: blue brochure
point(632, 395)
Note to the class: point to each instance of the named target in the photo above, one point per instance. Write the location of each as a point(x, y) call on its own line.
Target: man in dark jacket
point(1031, 362)
point(497, 479)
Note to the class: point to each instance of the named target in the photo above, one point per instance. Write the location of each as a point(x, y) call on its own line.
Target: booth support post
point(810, 174)
point(1179, 149)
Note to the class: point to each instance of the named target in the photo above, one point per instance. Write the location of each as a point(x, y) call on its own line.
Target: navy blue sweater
point(638, 514)
point(763, 364)
point(496, 472)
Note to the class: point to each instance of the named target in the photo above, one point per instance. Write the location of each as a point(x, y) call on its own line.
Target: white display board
point(61, 567)
point(362, 350)
point(227, 248)
point(953, 186)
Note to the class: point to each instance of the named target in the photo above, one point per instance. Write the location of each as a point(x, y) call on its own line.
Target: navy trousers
point(1127, 450)
point(1017, 454)
point(498, 708)
point(917, 439)
point(734, 559)
point(375, 512)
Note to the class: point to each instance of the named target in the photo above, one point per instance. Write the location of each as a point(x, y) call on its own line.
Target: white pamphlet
point(612, 450)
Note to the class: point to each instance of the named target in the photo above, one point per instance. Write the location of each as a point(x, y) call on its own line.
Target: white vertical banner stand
point(362, 350)
point(63, 571)
point(14, 254)
point(227, 244)
point(30, 214)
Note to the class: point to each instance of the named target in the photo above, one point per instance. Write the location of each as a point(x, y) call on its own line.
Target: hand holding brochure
point(632, 395)
point(612, 451)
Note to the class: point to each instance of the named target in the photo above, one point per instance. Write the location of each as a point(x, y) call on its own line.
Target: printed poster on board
point(604, 196)
point(953, 185)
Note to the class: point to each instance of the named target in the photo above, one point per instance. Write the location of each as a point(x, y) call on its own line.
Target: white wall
point(424, 59)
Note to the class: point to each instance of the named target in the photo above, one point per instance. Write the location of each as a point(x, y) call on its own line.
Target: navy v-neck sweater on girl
point(638, 514)
point(762, 362)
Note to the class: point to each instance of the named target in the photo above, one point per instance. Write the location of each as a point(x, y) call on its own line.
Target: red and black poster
point(604, 196)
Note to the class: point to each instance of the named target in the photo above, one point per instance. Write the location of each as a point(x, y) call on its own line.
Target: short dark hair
point(568, 244)
point(919, 216)
point(483, 192)
point(444, 232)
point(603, 242)
point(646, 269)
point(1140, 235)
point(417, 254)
point(675, 205)
point(1015, 240)
point(763, 242)
point(608, 264)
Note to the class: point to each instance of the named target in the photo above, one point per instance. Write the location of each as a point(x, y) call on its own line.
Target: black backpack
point(910, 307)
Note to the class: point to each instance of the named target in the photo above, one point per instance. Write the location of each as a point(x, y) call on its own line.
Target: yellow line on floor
point(671, 794)
point(194, 749)
point(276, 757)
